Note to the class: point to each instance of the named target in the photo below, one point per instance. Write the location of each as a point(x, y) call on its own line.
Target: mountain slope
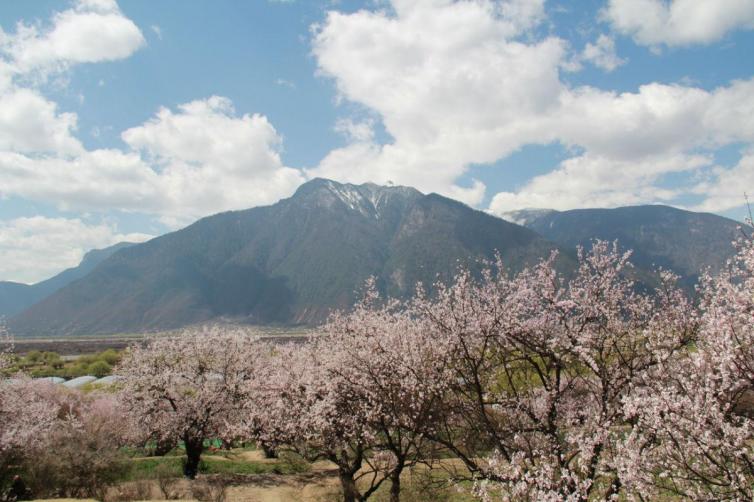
point(291, 262)
point(15, 297)
point(660, 236)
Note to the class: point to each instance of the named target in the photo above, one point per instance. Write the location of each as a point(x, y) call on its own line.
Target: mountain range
point(665, 237)
point(16, 297)
point(289, 263)
point(295, 261)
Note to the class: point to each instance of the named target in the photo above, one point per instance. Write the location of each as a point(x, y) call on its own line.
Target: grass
point(172, 467)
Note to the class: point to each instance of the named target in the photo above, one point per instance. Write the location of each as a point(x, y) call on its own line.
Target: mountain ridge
point(685, 242)
point(291, 262)
point(295, 261)
point(16, 297)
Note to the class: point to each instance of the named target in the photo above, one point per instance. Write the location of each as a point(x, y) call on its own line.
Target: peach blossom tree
point(541, 366)
point(694, 433)
point(388, 362)
point(299, 404)
point(188, 387)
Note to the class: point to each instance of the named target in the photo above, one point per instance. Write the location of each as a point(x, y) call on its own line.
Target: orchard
point(529, 386)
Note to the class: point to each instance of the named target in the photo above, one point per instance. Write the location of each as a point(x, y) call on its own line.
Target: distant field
point(80, 345)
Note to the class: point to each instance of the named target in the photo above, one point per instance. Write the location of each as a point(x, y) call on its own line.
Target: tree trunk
point(395, 485)
point(350, 492)
point(194, 447)
point(269, 450)
point(163, 447)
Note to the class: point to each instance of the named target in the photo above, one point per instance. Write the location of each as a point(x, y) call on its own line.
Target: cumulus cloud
point(96, 180)
point(602, 54)
point(181, 164)
point(442, 76)
point(463, 83)
point(724, 189)
point(91, 31)
point(201, 159)
point(209, 159)
point(31, 123)
point(633, 139)
point(678, 22)
point(354, 130)
point(33, 249)
point(594, 181)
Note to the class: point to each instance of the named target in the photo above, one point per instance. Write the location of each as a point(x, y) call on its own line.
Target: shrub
point(81, 459)
point(99, 369)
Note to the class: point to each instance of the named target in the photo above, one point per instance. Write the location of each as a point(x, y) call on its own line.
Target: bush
point(208, 491)
point(76, 463)
point(291, 462)
point(110, 356)
point(99, 369)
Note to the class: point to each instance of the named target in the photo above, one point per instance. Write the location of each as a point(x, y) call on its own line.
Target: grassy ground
point(244, 475)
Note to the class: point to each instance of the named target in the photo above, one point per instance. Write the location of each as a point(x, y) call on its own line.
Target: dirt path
point(275, 488)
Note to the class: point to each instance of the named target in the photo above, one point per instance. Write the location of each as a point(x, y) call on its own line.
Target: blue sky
point(131, 119)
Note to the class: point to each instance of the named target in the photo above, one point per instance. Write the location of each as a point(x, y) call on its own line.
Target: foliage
point(541, 367)
point(60, 442)
point(695, 428)
point(188, 388)
point(6, 347)
point(39, 364)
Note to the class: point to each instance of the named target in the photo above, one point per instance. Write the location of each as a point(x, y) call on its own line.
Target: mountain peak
point(369, 199)
point(526, 216)
point(290, 262)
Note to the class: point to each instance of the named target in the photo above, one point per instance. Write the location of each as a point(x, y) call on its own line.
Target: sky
point(126, 120)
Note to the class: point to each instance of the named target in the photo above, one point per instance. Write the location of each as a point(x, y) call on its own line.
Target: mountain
point(291, 262)
point(15, 297)
point(660, 236)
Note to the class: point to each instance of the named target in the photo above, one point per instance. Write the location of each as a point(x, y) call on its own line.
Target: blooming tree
point(189, 387)
point(6, 347)
point(28, 410)
point(541, 367)
point(387, 361)
point(61, 441)
point(79, 454)
point(300, 404)
point(694, 419)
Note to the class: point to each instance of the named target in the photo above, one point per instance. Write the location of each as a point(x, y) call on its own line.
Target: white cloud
point(199, 159)
point(632, 140)
point(31, 123)
point(96, 180)
point(90, 32)
point(35, 248)
point(211, 160)
point(186, 164)
point(602, 54)
point(657, 119)
point(355, 131)
point(594, 181)
point(725, 188)
point(459, 83)
point(443, 76)
point(679, 22)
